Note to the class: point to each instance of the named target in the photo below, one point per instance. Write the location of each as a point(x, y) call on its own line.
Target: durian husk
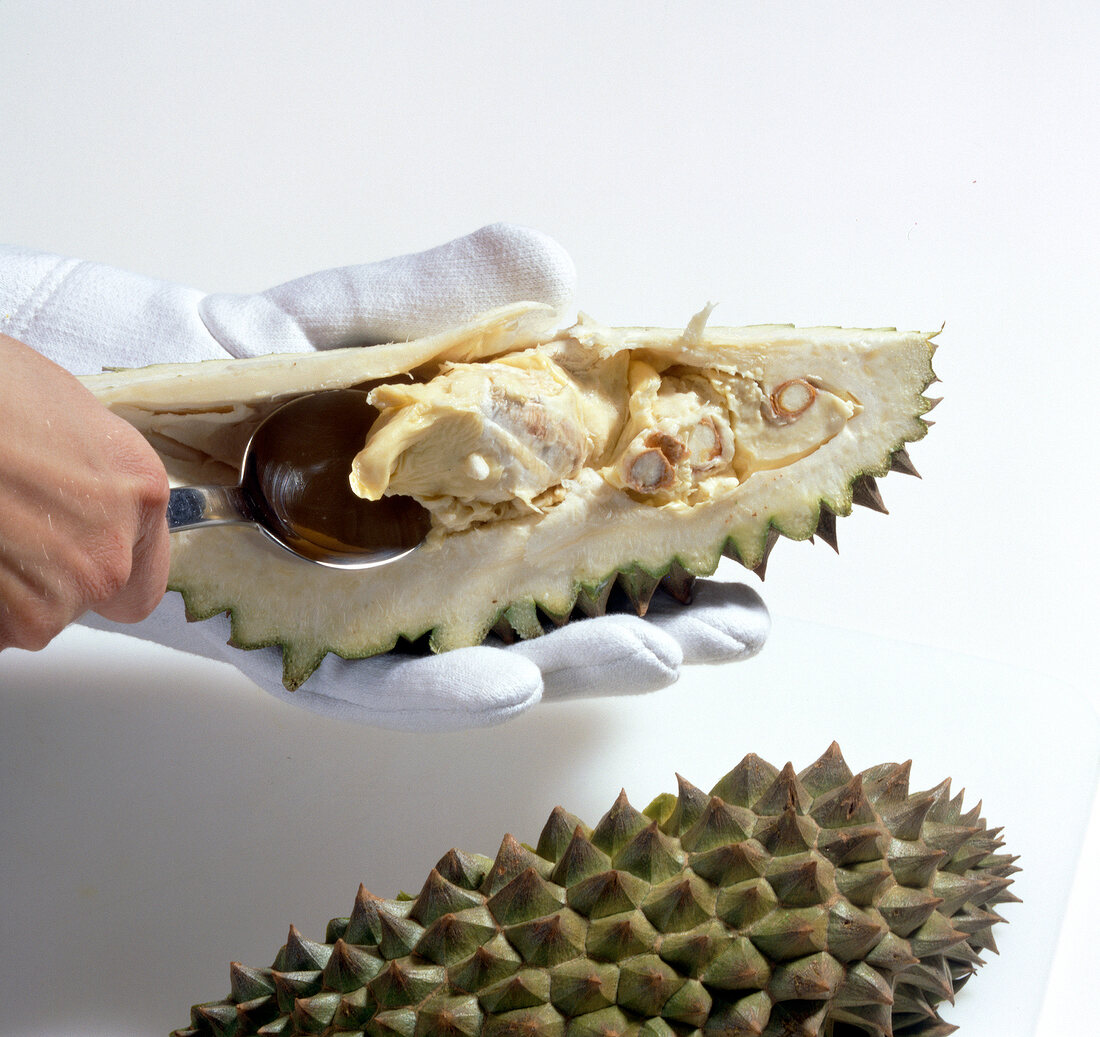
point(822, 903)
point(517, 577)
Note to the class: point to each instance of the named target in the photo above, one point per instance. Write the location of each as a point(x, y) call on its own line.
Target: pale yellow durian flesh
point(552, 462)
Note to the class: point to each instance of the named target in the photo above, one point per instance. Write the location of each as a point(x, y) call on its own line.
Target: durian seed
point(792, 399)
point(650, 471)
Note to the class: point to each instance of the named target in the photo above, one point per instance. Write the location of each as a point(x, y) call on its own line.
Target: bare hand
point(82, 506)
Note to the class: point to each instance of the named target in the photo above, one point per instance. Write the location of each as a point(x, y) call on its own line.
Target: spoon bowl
point(294, 487)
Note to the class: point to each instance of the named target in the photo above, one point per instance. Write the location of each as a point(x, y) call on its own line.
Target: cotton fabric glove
point(87, 316)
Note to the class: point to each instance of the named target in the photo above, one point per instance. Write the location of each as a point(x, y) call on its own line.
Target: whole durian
point(561, 468)
point(820, 904)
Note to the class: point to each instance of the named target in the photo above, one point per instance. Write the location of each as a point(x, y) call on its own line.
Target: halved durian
point(555, 464)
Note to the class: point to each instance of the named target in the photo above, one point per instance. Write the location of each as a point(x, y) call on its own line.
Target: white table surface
point(172, 819)
point(854, 164)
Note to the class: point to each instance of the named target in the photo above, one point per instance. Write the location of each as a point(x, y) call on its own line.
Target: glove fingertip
point(612, 655)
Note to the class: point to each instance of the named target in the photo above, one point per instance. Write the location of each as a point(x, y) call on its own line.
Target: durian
point(819, 904)
point(557, 466)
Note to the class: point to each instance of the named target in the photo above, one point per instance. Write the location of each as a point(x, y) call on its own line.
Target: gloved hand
point(86, 316)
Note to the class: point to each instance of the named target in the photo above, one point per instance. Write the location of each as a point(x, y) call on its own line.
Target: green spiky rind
point(730, 911)
point(637, 581)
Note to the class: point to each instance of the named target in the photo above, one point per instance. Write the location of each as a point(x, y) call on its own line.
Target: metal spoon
point(294, 487)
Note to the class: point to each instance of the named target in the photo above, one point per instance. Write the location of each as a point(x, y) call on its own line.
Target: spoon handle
point(190, 506)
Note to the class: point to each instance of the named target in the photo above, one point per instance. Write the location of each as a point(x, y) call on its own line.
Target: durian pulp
point(549, 544)
point(495, 440)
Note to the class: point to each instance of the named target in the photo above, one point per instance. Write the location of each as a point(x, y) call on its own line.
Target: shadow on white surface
point(171, 818)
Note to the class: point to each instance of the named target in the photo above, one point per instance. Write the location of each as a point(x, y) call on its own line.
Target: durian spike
point(900, 461)
point(639, 587)
point(866, 494)
point(678, 583)
point(770, 541)
point(826, 528)
point(828, 771)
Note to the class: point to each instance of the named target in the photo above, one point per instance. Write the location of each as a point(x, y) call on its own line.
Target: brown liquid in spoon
point(296, 479)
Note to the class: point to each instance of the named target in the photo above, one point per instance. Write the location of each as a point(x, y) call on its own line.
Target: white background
point(850, 164)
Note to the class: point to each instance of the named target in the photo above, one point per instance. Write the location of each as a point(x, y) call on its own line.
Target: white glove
point(86, 317)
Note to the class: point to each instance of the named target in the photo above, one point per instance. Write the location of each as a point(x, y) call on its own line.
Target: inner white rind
point(199, 416)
